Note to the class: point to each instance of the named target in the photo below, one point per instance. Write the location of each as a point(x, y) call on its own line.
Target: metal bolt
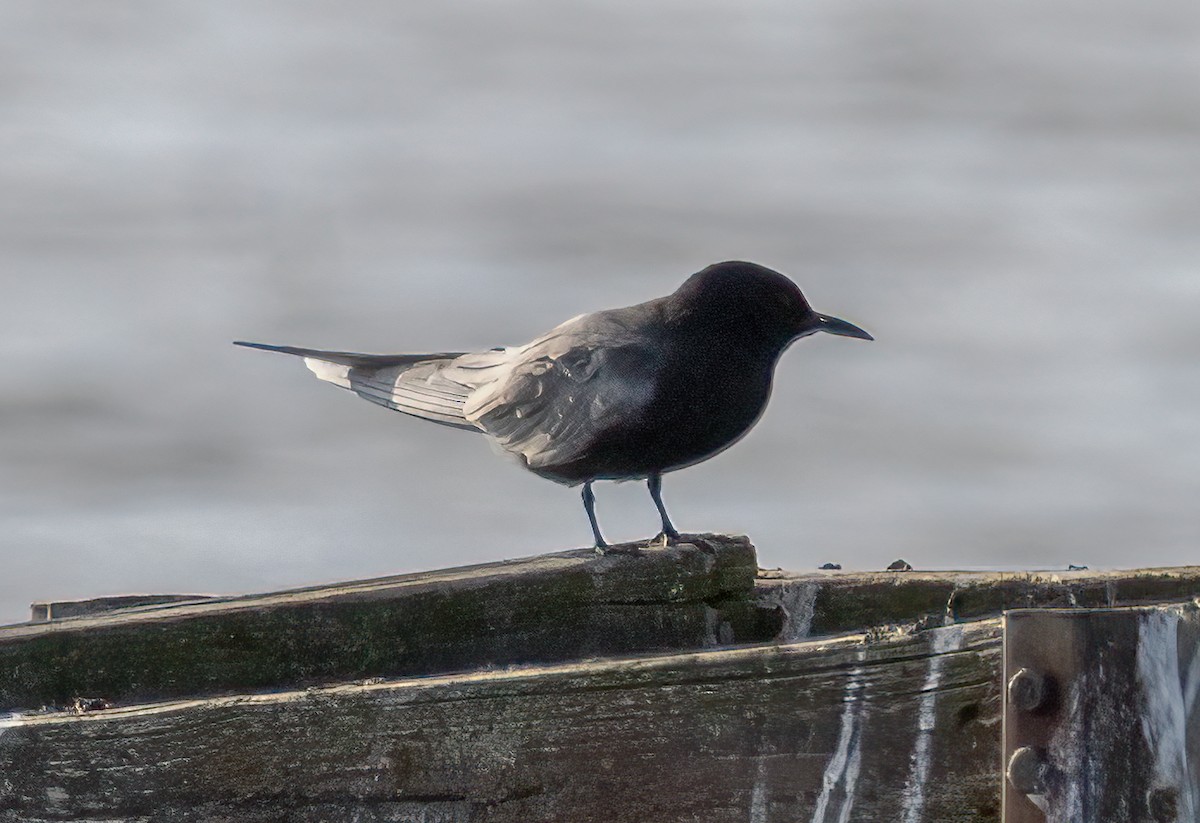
point(1029, 770)
point(1163, 804)
point(1030, 690)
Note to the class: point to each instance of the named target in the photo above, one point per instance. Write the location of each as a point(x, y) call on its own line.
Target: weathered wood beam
point(823, 603)
point(46, 610)
point(566, 606)
point(893, 727)
point(897, 721)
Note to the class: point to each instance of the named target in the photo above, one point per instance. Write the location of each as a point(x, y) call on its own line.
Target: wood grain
point(858, 728)
point(565, 606)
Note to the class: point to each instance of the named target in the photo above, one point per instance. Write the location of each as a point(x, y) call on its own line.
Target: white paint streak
point(1068, 751)
point(842, 768)
point(852, 769)
point(758, 798)
point(1169, 695)
point(8, 721)
point(943, 640)
point(1191, 686)
point(797, 601)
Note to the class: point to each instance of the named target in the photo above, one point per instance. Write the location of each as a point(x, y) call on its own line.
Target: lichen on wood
point(565, 606)
point(824, 603)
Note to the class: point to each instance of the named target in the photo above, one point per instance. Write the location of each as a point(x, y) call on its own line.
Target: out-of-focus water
point(1006, 194)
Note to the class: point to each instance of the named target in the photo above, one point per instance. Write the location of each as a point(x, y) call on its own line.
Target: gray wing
point(549, 402)
point(408, 383)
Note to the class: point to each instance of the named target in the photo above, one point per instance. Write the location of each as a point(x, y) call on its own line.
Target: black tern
point(620, 394)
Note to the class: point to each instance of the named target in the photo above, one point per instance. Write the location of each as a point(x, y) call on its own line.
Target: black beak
point(841, 328)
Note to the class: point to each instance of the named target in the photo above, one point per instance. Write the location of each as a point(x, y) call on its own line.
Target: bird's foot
point(664, 539)
point(620, 548)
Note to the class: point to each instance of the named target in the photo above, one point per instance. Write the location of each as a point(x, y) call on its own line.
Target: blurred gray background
point(1006, 194)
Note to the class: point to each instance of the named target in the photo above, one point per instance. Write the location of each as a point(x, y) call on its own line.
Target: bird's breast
point(709, 407)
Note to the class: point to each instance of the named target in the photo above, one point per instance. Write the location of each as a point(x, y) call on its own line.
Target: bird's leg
point(669, 534)
point(589, 505)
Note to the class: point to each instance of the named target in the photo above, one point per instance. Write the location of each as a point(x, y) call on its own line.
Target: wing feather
point(408, 383)
point(548, 402)
point(550, 409)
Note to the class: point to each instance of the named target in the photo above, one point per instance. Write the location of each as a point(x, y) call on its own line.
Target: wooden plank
point(895, 727)
point(897, 721)
point(812, 604)
point(565, 606)
point(46, 610)
point(1102, 720)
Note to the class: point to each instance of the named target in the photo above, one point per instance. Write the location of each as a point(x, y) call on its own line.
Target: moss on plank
point(575, 606)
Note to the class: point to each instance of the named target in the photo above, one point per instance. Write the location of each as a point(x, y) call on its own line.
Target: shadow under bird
point(620, 394)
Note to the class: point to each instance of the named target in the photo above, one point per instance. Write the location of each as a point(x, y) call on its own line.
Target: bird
point(620, 394)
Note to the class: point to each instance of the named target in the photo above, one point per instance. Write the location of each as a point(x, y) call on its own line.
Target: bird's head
point(764, 303)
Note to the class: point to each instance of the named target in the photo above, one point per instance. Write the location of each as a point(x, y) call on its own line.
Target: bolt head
point(1163, 804)
point(1029, 770)
point(1030, 690)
